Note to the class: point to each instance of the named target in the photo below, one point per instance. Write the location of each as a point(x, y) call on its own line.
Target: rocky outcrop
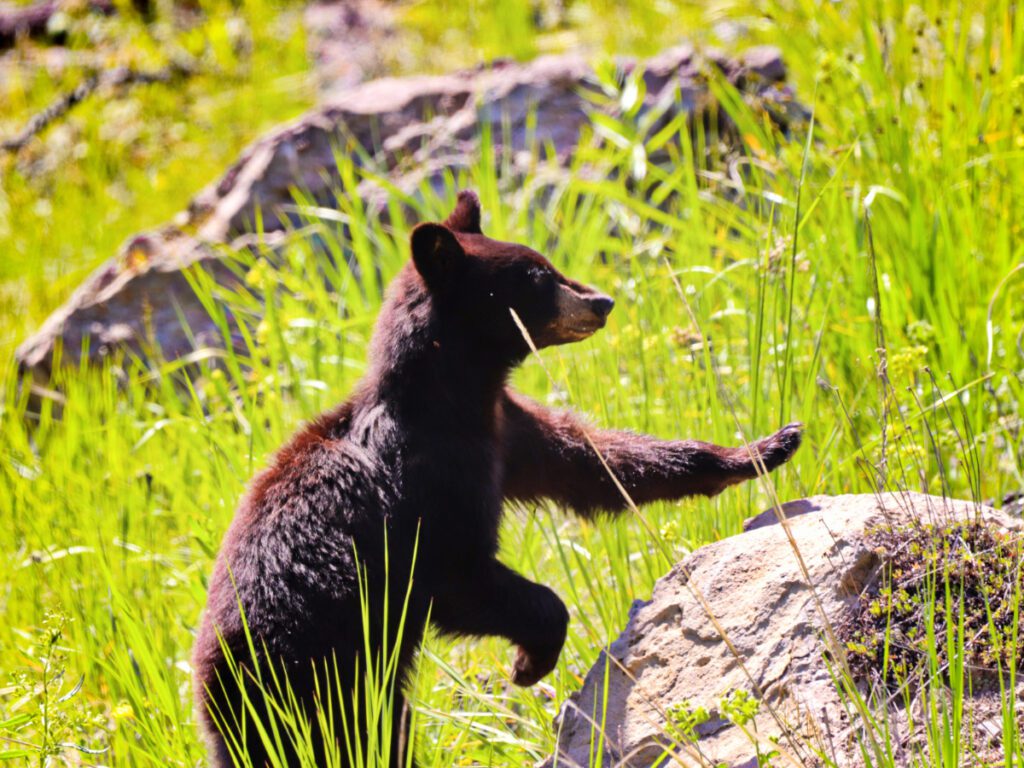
point(773, 613)
point(411, 131)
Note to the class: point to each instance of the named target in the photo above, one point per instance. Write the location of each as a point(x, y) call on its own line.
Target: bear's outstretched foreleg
point(548, 454)
point(492, 599)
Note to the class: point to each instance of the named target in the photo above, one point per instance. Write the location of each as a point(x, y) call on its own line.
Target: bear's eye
point(538, 275)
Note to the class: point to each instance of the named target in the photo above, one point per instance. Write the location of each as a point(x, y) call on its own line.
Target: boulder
point(408, 131)
point(770, 604)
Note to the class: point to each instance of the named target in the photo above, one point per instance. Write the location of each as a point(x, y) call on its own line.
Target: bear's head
point(480, 282)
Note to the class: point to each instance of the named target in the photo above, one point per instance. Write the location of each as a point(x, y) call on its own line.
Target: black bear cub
point(421, 456)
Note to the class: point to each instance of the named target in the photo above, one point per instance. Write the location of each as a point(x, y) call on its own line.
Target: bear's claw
point(529, 668)
point(777, 449)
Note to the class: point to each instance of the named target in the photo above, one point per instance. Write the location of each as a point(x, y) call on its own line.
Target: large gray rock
point(754, 586)
point(411, 131)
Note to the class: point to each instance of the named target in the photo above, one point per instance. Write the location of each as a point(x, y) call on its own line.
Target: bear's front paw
point(777, 449)
point(530, 666)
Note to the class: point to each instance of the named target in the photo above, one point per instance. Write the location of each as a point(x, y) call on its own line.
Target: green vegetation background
point(113, 512)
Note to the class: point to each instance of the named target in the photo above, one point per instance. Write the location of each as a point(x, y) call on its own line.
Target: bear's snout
point(580, 311)
point(602, 305)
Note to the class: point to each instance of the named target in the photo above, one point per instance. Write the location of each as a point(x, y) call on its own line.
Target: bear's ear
point(436, 254)
point(466, 216)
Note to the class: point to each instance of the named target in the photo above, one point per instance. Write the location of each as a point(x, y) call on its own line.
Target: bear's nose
point(602, 305)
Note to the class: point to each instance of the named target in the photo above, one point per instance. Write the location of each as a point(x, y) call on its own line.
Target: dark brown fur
point(427, 448)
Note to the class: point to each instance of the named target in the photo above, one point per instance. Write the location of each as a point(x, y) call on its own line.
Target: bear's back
point(288, 556)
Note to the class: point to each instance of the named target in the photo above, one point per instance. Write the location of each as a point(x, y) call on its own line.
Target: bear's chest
point(451, 490)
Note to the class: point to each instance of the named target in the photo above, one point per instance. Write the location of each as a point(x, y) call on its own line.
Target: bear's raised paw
point(777, 449)
point(531, 667)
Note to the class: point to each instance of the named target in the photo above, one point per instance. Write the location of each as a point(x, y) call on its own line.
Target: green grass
point(113, 511)
point(119, 164)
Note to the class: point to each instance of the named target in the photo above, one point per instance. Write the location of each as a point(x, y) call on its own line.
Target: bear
point(395, 498)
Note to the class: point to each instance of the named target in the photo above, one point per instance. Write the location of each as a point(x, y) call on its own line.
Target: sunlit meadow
point(862, 274)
